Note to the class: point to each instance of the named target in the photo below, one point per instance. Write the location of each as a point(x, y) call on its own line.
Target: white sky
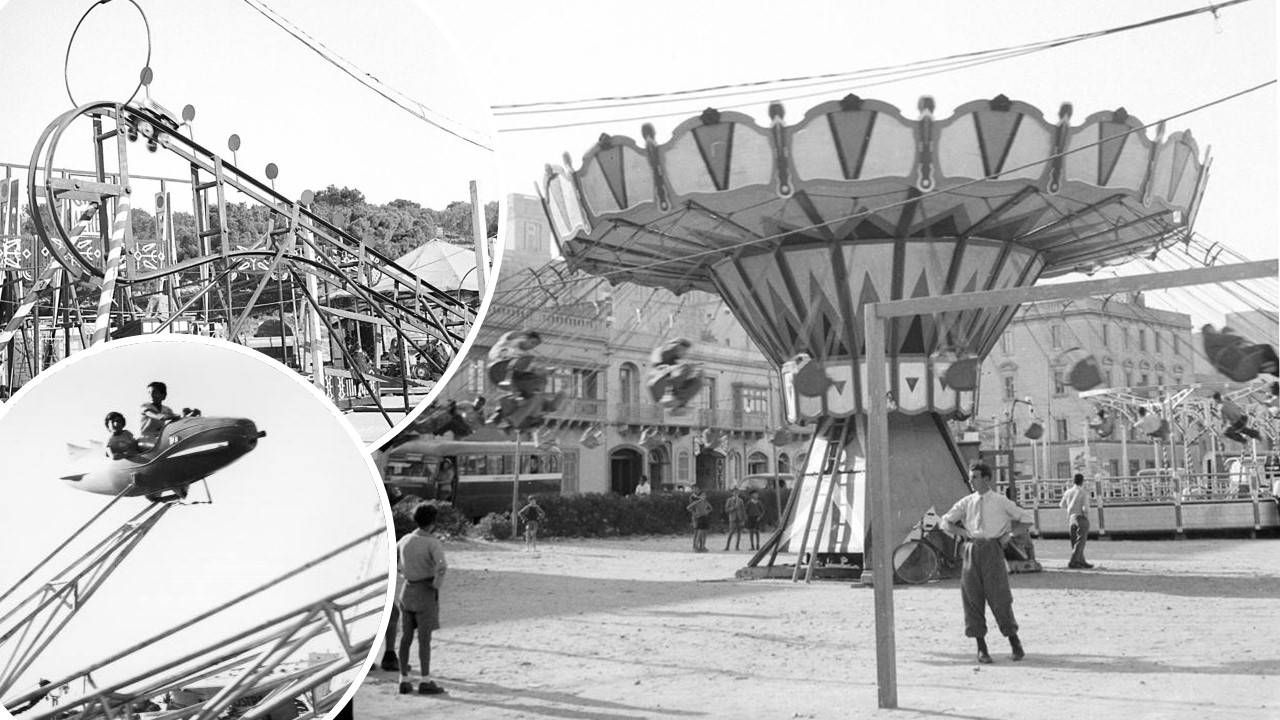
point(307, 488)
point(246, 76)
point(588, 48)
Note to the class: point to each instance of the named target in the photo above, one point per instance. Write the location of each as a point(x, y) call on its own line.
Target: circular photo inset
point(189, 530)
point(294, 177)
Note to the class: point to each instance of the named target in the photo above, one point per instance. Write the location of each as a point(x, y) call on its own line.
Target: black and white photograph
point(822, 327)
point(294, 177)
point(709, 360)
point(190, 531)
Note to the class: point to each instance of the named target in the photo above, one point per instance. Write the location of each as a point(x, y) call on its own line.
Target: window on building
point(1009, 393)
point(1177, 379)
point(586, 384)
point(682, 467)
point(1177, 346)
point(1059, 383)
point(1155, 337)
point(1107, 376)
point(627, 383)
point(1006, 342)
point(1106, 334)
point(735, 466)
point(752, 400)
point(1160, 380)
point(1134, 467)
point(1124, 338)
point(1113, 466)
point(1142, 340)
point(1128, 378)
point(708, 394)
point(1064, 470)
point(476, 377)
point(531, 238)
point(1061, 426)
point(784, 463)
point(757, 463)
point(1055, 336)
point(1143, 380)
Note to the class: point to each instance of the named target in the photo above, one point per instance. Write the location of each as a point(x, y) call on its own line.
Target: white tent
point(445, 265)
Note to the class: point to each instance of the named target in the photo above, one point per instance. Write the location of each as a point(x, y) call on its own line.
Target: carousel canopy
point(798, 226)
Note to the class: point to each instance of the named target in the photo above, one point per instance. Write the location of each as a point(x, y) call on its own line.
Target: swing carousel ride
point(798, 227)
point(82, 276)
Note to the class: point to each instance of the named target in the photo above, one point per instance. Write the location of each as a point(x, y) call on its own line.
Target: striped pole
point(102, 324)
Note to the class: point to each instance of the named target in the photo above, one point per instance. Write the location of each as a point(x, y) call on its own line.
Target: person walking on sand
point(985, 518)
point(531, 515)
point(1076, 502)
point(700, 511)
point(755, 513)
point(423, 566)
point(736, 512)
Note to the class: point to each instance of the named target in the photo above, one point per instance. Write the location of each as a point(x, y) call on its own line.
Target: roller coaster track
point(298, 244)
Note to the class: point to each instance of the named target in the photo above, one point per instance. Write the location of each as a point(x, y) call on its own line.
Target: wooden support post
point(880, 505)
point(481, 239)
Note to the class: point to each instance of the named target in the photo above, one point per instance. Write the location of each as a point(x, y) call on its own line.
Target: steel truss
point(252, 660)
point(99, 248)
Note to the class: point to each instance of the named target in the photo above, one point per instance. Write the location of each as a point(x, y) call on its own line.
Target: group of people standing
point(740, 515)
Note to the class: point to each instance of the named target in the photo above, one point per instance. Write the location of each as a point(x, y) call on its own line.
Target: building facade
point(1147, 350)
point(599, 339)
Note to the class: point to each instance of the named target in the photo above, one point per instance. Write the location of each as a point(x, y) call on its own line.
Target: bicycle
point(927, 557)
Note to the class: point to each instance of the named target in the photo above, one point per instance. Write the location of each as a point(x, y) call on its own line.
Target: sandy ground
point(643, 628)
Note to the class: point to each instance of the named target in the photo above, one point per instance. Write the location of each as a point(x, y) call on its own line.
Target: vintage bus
point(476, 477)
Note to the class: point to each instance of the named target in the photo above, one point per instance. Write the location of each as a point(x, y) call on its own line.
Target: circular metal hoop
point(66, 60)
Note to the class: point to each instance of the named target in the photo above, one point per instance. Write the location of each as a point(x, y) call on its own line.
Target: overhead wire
point(400, 99)
point(754, 86)
point(891, 73)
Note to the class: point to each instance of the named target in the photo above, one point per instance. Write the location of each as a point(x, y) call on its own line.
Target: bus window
point(502, 464)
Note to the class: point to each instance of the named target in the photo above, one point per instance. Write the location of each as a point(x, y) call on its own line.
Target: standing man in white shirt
point(1076, 502)
point(985, 520)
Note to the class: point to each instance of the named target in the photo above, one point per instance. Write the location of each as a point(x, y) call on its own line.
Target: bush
point(450, 521)
point(495, 526)
point(608, 515)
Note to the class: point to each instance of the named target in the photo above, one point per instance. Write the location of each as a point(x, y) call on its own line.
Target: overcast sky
point(591, 48)
point(307, 488)
point(247, 76)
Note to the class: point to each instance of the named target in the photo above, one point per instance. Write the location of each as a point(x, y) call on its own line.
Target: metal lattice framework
point(255, 670)
point(85, 239)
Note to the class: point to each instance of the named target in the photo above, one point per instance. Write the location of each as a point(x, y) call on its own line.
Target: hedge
point(608, 515)
point(588, 515)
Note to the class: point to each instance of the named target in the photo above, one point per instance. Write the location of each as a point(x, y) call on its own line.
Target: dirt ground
point(643, 628)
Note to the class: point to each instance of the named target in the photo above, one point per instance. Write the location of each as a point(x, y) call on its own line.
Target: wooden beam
point(1086, 288)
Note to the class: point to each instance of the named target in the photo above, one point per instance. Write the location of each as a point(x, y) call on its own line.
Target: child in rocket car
point(121, 443)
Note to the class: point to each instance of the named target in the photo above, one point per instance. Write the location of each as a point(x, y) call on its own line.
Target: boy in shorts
point(423, 566)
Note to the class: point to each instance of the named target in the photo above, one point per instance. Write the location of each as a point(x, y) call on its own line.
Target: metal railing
point(1168, 490)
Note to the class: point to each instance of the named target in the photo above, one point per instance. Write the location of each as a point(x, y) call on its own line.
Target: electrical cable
point(753, 86)
point(365, 78)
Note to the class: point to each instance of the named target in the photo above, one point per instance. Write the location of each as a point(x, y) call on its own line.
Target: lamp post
point(1011, 491)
